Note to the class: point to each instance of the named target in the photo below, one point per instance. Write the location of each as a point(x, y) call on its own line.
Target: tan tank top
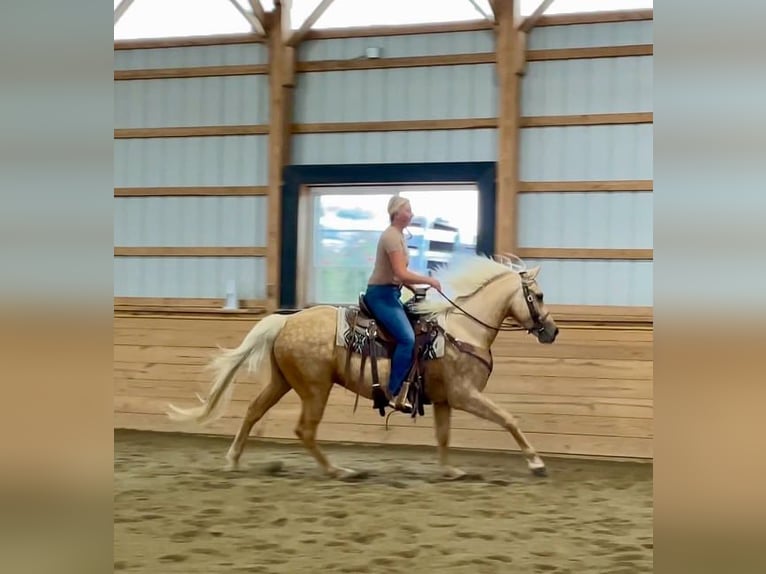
point(390, 240)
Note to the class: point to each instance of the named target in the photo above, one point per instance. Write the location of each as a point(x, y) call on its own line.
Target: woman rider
point(383, 297)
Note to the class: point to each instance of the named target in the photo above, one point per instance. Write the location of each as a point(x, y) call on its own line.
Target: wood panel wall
point(589, 394)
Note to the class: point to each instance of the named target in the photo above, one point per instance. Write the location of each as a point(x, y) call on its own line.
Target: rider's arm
point(399, 265)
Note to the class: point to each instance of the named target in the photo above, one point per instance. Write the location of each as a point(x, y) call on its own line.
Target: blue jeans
point(384, 302)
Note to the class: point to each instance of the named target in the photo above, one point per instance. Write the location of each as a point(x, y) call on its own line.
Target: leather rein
point(534, 313)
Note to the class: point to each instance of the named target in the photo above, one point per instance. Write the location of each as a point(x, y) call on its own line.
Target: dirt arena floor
point(177, 510)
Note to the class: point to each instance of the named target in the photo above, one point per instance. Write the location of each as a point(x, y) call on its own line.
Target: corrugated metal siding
point(190, 221)
point(619, 152)
point(193, 277)
point(441, 92)
point(609, 220)
point(193, 161)
point(591, 35)
point(399, 46)
point(396, 147)
point(587, 153)
point(593, 282)
point(190, 56)
point(597, 86)
point(232, 100)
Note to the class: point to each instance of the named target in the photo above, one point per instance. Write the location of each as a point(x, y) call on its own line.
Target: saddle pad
point(343, 330)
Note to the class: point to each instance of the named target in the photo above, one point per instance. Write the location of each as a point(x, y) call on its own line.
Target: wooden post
point(510, 65)
point(281, 83)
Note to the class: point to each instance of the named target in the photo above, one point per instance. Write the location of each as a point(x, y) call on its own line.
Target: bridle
point(537, 320)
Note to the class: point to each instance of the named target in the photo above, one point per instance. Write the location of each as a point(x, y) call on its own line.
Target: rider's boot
point(400, 402)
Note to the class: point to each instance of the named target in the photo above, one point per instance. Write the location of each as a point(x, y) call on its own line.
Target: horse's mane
point(462, 276)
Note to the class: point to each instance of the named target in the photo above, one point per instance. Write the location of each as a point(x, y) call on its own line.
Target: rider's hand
point(435, 284)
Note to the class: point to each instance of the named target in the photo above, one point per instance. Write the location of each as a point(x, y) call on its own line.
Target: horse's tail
point(255, 347)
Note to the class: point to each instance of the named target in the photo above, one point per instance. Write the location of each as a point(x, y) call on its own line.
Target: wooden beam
point(589, 53)
point(205, 191)
point(403, 62)
point(188, 41)
point(578, 253)
point(190, 131)
point(189, 251)
point(296, 36)
point(509, 97)
point(636, 185)
point(191, 72)
point(394, 126)
point(204, 302)
point(258, 11)
point(529, 22)
point(281, 84)
point(250, 17)
point(600, 314)
point(480, 10)
point(597, 17)
point(399, 30)
point(164, 306)
point(494, 5)
point(282, 11)
point(122, 7)
point(587, 120)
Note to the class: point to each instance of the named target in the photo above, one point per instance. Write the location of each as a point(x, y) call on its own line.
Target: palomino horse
point(304, 355)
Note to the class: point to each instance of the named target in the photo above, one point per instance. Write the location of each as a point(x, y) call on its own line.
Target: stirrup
point(400, 403)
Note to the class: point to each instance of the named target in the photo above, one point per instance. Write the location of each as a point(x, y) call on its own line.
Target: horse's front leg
point(472, 401)
point(442, 412)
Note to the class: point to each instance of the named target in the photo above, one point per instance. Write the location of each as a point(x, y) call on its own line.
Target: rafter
point(258, 11)
point(481, 11)
point(122, 7)
point(495, 6)
point(254, 22)
point(285, 19)
point(296, 36)
point(529, 22)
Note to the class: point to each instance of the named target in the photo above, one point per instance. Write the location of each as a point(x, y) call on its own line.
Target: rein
point(487, 325)
point(533, 312)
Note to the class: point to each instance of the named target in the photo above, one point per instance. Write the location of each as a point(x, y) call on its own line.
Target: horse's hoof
point(452, 473)
point(540, 471)
point(231, 466)
point(342, 473)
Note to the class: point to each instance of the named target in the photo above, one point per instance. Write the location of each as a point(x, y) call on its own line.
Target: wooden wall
point(588, 394)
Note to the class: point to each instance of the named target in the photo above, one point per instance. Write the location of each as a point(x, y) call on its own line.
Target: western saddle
point(369, 339)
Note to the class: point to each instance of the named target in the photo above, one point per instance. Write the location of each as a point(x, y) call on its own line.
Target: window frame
point(297, 179)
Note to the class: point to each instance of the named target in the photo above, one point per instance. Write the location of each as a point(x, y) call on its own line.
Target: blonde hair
point(395, 204)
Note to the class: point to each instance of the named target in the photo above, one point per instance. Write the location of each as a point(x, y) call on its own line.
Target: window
point(344, 223)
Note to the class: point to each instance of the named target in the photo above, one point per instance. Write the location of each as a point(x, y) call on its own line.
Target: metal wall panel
point(190, 221)
point(591, 35)
point(396, 147)
point(610, 220)
point(399, 46)
point(192, 161)
point(593, 86)
point(215, 101)
point(191, 56)
point(193, 277)
point(587, 153)
point(439, 92)
point(594, 282)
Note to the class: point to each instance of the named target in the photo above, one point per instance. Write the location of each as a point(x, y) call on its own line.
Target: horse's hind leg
point(314, 401)
point(268, 397)
point(479, 405)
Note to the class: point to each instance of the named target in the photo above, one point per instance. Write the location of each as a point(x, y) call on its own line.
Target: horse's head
point(527, 304)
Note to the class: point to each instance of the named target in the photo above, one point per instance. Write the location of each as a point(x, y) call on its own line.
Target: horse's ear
point(532, 273)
